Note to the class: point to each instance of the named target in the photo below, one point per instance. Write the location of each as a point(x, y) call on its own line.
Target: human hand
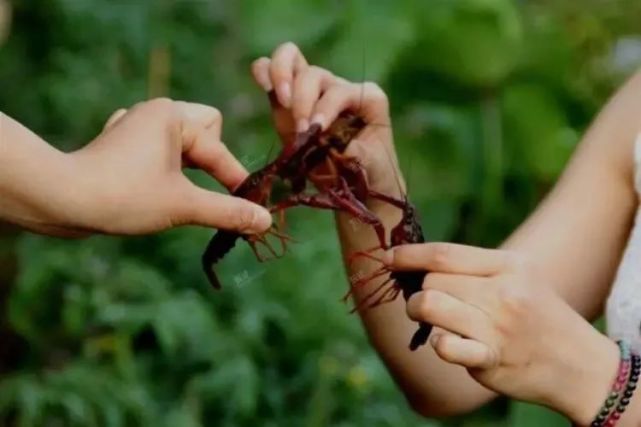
point(130, 178)
point(511, 331)
point(310, 94)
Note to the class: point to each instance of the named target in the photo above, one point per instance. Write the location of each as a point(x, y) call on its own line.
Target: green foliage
point(489, 98)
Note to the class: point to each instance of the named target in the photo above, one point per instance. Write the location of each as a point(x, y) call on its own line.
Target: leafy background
point(489, 99)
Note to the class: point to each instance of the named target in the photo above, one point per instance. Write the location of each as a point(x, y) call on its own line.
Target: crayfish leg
point(368, 298)
point(283, 238)
point(253, 244)
point(390, 295)
point(365, 280)
point(399, 203)
point(262, 239)
point(365, 254)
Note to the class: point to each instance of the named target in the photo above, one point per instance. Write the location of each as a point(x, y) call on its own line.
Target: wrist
point(84, 194)
point(37, 183)
point(589, 381)
point(76, 196)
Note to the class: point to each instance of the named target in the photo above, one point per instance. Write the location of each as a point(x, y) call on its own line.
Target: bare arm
point(575, 238)
point(126, 181)
point(578, 233)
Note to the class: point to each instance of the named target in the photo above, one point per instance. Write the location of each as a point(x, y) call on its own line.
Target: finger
point(469, 289)
point(215, 159)
point(466, 352)
point(201, 130)
point(308, 86)
point(196, 117)
point(260, 71)
point(287, 61)
point(448, 258)
point(211, 209)
point(115, 118)
point(449, 313)
point(367, 99)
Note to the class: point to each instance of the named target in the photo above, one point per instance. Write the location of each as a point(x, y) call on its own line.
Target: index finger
point(286, 62)
point(448, 258)
point(201, 145)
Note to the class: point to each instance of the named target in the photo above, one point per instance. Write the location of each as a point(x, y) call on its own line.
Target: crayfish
point(344, 188)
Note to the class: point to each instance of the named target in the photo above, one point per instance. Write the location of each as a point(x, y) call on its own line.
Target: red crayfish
point(344, 189)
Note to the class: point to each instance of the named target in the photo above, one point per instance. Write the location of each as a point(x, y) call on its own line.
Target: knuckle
point(160, 105)
point(320, 71)
point(244, 218)
point(183, 211)
point(374, 91)
point(335, 92)
point(441, 255)
point(515, 301)
point(315, 69)
point(514, 260)
point(215, 116)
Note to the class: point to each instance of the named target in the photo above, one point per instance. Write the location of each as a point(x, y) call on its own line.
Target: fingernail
point(263, 220)
point(267, 85)
point(319, 119)
point(285, 93)
point(388, 257)
point(302, 125)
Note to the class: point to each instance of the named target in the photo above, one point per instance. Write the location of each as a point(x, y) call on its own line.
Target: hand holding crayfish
point(512, 332)
point(129, 179)
point(309, 94)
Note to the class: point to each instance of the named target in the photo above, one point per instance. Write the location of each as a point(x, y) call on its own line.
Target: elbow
point(431, 410)
point(440, 408)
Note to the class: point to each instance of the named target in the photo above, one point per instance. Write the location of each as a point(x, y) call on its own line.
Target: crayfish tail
point(218, 247)
point(420, 336)
point(208, 268)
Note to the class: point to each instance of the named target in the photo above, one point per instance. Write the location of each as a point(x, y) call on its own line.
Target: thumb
point(211, 209)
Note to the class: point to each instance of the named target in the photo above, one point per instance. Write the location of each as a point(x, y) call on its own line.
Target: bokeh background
point(489, 98)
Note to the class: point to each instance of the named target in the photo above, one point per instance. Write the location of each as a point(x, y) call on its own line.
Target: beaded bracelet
point(622, 390)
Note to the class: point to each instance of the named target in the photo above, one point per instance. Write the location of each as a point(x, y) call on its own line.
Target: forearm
point(578, 233)
point(432, 386)
point(37, 188)
point(575, 239)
